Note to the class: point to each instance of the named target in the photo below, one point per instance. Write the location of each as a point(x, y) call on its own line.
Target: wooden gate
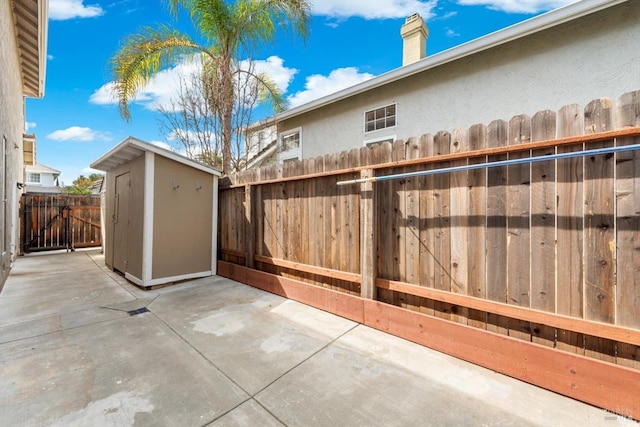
point(59, 221)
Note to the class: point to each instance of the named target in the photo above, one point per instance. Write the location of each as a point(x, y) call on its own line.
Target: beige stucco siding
point(182, 224)
point(12, 121)
point(588, 58)
point(136, 168)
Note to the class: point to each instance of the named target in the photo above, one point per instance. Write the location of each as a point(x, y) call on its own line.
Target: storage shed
point(161, 214)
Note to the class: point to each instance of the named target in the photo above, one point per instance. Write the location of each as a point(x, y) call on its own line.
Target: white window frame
point(32, 174)
point(380, 140)
point(295, 153)
point(364, 117)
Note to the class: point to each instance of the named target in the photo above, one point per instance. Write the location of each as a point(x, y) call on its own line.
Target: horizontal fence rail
point(496, 164)
point(526, 229)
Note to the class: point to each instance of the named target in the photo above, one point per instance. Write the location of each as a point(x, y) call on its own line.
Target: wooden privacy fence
point(59, 221)
point(532, 270)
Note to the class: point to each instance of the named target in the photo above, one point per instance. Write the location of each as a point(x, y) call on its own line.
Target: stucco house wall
point(11, 129)
point(587, 58)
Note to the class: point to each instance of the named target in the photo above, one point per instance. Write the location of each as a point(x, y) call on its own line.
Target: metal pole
point(594, 152)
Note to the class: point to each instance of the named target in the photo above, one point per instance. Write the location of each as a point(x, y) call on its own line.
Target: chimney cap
point(413, 17)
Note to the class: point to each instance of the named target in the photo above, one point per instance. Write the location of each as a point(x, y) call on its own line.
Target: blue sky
point(350, 41)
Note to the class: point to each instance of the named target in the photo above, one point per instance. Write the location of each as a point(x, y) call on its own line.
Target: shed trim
point(214, 229)
point(147, 223)
point(165, 280)
point(132, 147)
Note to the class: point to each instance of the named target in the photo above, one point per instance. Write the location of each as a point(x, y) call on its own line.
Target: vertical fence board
point(497, 136)
point(476, 233)
point(412, 220)
point(519, 233)
point(426, 224)
point(459, 214)
point(569, 199)
point(353, 242)
point(442, 247)
point(543, 218)
point(599, 231)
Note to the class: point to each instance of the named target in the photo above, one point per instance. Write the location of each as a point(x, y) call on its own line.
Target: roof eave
point(107, 162)
point(530, 26)
point(43, 23)
point(31, 29)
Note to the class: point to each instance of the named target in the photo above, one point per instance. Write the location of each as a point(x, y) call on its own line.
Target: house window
point(33, 178)
point(290, 145)
point(380, 118)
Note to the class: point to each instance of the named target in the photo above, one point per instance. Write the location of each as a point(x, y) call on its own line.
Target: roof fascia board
point(131, 142)
point(43, 35)
point(530, 26)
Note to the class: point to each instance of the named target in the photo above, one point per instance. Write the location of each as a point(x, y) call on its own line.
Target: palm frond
point(267, 89)
point(258, 20)
point(141, 56)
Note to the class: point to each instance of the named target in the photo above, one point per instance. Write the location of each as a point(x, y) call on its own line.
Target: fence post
point(368, 244)
point(249, 197)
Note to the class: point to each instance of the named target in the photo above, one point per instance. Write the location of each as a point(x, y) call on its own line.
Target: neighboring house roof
point(132, 147)
point(31, 18)
point(260, 155)
point(38, 168)
point(514, 32)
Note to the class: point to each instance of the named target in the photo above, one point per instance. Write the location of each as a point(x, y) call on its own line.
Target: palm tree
point(229, 28)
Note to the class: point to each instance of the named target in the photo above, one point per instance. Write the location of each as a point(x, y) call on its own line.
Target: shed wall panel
point(182, 228)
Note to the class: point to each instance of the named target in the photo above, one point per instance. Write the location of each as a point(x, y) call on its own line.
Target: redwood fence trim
point(599, 329)
point(596, 382)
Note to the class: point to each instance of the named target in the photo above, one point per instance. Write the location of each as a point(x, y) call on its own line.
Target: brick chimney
point(414, 35)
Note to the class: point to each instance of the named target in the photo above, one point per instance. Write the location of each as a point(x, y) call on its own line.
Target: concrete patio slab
point(253, 336)
point(76, 351)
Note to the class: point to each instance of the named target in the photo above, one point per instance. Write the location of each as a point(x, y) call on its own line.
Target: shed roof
point(132, 147)
point(531, 26)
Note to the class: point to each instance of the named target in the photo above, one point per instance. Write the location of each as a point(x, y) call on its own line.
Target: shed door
point(120, 220)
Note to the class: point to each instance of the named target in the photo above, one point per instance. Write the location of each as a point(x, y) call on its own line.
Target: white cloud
point(60, 10)
point(164, 86)
point(374, 9)
point(29, 125)
point(77, 133)
point(103, 95)
point(318, 85)
point(518, 6)
point(274, 67)
point(452, 33)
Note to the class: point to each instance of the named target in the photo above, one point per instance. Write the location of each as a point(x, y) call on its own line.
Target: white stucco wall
point(588, 58)
point(12, 128)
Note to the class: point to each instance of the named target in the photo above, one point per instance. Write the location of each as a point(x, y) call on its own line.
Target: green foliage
point(75, 190)
point(230, 28)
point(82, 184)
